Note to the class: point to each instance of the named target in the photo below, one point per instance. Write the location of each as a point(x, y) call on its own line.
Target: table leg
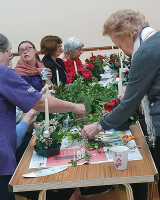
point(129, 192)
point(152, 190)
point(42, 195)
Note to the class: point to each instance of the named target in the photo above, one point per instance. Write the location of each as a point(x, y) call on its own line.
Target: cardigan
point(50, 63)
point(144, 80)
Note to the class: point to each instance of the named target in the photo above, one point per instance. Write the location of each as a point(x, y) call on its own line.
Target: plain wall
point(34, 19)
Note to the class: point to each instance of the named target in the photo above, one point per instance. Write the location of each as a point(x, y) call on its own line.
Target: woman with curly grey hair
point(131, 32)
point(72, 51)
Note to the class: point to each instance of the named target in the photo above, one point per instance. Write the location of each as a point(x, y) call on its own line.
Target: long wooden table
point(90, 174)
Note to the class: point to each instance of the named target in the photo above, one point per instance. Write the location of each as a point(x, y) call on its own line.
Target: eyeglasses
point(27, 49)
point(9, 54)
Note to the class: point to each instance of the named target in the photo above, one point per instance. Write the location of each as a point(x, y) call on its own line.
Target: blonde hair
point(123, 21)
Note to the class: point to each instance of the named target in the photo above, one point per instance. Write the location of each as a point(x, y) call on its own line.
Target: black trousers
point(4, 194)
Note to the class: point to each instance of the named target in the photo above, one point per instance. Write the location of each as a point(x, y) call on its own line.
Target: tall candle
point(112, 49)
point(75, 66)
point(120, 82)
point(57, 73)
point(46, 115)
point(120, 60)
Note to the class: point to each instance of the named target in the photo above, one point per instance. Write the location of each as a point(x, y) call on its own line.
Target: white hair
point(71, 44)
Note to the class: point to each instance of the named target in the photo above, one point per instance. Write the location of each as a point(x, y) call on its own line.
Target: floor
point(115, 194)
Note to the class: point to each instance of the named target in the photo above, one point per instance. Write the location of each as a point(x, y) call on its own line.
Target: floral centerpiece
point(93, 96)
point(83, 73)
point(108, 107)
point(114, 62)
point(48, 142)
point(95, 64)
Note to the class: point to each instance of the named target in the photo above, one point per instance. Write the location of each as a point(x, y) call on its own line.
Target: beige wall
point(33, 19)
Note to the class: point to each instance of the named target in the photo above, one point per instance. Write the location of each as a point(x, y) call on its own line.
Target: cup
point(44, 72)
point(120, 157)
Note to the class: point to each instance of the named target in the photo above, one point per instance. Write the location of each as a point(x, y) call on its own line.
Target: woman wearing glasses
point(51, 46)
point(14, 91)
point(28, 67)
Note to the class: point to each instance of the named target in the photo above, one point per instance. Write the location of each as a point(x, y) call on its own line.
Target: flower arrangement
point(48, 139)
point(95, 64)
point(114, 62)
point(83, 73)
point(93, 96)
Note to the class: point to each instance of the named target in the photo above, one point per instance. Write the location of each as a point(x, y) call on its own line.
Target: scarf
point(24, 69)
point(146, 31)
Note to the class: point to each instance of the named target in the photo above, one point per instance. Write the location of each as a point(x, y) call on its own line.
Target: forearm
point(55, 105)
point(21, 129)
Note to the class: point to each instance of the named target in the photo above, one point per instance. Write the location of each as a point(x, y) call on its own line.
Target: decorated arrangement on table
point(96, 65)
point(114, 62)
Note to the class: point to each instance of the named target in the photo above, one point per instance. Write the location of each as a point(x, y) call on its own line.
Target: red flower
point(109, 106)
point(86, 60)
point(112, 60)
point(69, 79)
point(87, 76)
point(101, 57)
point(117, 75)
point(83, 70)
point(90, 65)
point(126, 72)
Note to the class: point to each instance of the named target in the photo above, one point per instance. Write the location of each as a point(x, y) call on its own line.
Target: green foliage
point(93, 96)
point(74, 163)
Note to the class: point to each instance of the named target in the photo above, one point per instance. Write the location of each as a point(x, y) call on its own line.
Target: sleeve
point(18, 92)
point(142, 73)
point(21, 129)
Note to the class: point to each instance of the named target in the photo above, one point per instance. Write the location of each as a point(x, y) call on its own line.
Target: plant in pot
point(48, 142)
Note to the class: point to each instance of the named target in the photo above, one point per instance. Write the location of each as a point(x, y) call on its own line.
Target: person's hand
point(49, 74)
point(90, 130)
point(44, 89)
point(79, 109)
point(120, 96)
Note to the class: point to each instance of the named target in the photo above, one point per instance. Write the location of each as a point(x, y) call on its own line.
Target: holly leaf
point(74, 163)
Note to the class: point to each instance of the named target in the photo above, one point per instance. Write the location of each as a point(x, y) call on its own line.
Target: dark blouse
point(50, 63)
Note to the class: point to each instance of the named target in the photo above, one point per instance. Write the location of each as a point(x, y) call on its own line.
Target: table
point(90, 174)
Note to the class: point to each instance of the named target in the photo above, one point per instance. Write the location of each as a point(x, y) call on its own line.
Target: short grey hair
point(4, 43)
point(71, 44)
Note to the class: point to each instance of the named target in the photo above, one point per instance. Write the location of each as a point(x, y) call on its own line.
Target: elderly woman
point(72, 50)
point(51, 46)
point(131, 32)
point(29, 68)
point(15, 91)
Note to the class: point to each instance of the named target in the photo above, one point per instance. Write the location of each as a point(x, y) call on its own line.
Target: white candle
point(75, 66)
point(46, 115)
point(112, 49)
point(120, 82)
point(120, 60)
point(47, 92)
point(57, 73)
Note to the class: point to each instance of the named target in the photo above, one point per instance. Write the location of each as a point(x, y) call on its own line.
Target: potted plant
point(95, 64)
point(48, 142)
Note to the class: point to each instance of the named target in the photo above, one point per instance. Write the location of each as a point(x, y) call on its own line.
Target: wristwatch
point(99, 126)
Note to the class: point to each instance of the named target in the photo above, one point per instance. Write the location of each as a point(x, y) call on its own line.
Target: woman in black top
point(51, 46)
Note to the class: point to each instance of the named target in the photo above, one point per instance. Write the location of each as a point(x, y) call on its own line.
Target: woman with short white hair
point(72, 51)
